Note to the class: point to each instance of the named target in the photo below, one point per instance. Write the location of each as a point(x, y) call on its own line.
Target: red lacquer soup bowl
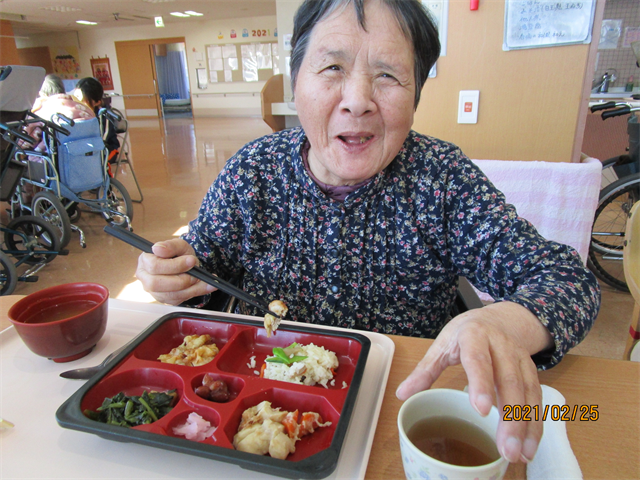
point(64, 322)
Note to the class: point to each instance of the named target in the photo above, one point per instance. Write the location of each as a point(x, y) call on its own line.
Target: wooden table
point(606, 449)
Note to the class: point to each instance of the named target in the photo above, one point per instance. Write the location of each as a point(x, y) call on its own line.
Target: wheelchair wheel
point(8, 275)
point(47, 206)
point(118, 199)
point(607, 236)
point(32, 240)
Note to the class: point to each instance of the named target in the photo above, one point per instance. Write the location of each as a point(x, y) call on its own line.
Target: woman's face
point(355, 94)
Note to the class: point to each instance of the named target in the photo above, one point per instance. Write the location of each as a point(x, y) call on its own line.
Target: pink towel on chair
point(559, 199)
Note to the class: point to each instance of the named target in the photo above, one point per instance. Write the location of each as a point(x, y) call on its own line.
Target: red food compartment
point(208, 414)
point(234, 385)
point(251, 342)
point(171, 334)
point(291, 401)
point(238, 340)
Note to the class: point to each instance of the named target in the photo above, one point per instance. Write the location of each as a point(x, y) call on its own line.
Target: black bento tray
point(136, 369)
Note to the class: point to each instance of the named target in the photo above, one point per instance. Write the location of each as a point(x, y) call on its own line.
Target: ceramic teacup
point(445, 403)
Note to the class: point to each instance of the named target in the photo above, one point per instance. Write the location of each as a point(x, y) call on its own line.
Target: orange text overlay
point(563, 413)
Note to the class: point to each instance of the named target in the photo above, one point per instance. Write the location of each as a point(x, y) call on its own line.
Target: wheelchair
point(72, 172)
point(30, 241)
point(620, 192)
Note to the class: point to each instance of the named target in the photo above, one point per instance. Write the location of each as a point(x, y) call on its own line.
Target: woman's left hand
point(494, 344)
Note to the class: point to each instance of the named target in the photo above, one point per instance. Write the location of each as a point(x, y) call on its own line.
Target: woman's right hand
point(163, 273)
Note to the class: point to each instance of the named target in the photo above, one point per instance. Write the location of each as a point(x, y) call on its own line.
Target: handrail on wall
point(224, 94)
point(147, 95)
point(211, 94)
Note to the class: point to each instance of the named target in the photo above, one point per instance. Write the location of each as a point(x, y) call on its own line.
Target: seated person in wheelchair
point(90, 92)
point(354, 220)
point(52, 100)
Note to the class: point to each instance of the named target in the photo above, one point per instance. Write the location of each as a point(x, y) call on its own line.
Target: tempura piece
point(272, 323)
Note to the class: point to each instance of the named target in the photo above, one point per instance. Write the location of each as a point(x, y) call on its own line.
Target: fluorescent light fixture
point(86, 22)
point(179, 14)
point(193, 14)
point(158, 21)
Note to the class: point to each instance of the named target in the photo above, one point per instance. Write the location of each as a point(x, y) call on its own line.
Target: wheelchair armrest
point(467, 297)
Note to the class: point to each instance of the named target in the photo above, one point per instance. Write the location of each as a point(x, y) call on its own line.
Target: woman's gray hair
point(412, 17)
point(52, 85)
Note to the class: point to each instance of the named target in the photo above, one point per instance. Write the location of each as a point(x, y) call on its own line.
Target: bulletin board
point(543, 23)
point(242, 62)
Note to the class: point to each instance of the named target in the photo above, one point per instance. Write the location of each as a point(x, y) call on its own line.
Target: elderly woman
point(52, 99)
point(355, 220)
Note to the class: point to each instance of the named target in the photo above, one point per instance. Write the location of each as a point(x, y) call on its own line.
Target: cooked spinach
point(133, 410)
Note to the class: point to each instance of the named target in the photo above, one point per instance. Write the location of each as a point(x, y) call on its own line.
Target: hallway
point(176, 161)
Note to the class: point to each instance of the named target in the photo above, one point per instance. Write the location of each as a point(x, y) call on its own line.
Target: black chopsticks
point(145, 245)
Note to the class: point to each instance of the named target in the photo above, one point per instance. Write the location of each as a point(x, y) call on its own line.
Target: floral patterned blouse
point(388, 257)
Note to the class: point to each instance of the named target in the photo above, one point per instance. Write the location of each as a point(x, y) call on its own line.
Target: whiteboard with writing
point(542, 23)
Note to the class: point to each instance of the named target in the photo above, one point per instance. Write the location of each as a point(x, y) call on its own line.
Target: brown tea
point(454, 441)
point(61, 311)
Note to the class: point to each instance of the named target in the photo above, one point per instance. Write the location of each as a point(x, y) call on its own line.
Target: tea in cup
point(443, 436)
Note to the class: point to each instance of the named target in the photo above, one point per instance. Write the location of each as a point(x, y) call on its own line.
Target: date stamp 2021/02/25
point(563, 413)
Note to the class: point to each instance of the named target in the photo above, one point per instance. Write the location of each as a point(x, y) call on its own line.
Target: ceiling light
point(86, 22)
point(179, 14)
point(193, 14)
point(158, 1)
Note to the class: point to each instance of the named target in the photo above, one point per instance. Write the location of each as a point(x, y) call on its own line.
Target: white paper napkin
point(554, 459)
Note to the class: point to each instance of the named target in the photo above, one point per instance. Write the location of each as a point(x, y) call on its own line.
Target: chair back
point(558, 198)
point(631, 263)
point(273, 92)
point(81, 156)
point(19, 87)
point(123, 125)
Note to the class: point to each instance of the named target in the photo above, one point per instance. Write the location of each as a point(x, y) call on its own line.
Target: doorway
point(173, 79)
point(138, 66)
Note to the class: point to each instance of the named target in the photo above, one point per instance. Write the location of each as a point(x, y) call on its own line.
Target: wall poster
point(101, 69)
point(66, 64)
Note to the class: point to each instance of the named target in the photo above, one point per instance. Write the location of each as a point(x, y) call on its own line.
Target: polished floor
point(176, 161)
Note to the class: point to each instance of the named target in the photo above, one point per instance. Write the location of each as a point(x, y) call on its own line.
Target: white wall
point(285, 12)
point(242, 98)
